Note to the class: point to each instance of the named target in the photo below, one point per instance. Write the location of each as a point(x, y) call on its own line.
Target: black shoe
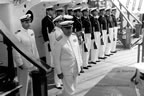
point(89, 66)
point(98, 61)
point(81, 71)
point(58, 87)
point(101, 57)
point(105, 57)
point(107, 54)
point(113, 51)
point(111, 54)
point(85, 67)
point(93, 62)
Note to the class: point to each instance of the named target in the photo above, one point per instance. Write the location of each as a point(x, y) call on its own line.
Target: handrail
point(123, 15)
point(10, 91)
point(21, 48)
point(130, 13)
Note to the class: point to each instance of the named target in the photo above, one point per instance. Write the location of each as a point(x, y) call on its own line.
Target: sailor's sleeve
point(57, 56)
point(17, 55)
point(80, 55)
point(35, 48)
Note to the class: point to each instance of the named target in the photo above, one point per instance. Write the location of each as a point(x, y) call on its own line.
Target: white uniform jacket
point(67, 56)
point(27, 38)
point(55, 34)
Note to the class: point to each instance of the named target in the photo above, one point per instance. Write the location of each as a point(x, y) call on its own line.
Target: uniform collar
point(96, 16)
point(85, 16)
point(25, 30)
point(78, 17)
point(49, 16)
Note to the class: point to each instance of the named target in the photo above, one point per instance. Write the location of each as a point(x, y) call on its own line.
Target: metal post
point(143, 48)
point(121, 19)
point(39, 83)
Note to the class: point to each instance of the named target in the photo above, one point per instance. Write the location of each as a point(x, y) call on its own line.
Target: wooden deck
point(97, 72)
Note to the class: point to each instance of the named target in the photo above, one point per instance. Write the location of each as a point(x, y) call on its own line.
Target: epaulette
point(59, 38)
point(73, 33)
point(17, 31)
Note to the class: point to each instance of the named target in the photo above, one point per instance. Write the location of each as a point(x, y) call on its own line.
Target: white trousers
point(109, 45)
point(95, 52)
point(26, 82)
point(49, 58)
point(115, 37)
point(70, 83)
point(102, 47)
point(86, 55)
point(48, 55)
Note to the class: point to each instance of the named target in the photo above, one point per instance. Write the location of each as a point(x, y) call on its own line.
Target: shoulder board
point(73, 33)
point(17, 31)
point(59, 38)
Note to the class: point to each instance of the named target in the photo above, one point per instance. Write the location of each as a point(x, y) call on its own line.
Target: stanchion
point(39, 80)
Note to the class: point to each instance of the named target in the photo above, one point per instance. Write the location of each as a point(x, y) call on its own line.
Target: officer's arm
point(56, 57)
point(44, 31)
point(17, 55)
point(35, 49)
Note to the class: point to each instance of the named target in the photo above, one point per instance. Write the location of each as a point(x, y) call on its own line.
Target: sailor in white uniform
point(56, 33)
point(67, 58)
point(26, 37)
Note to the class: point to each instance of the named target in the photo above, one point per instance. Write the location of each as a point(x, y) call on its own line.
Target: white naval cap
point(49, 8)
point(70, 9)
point(114, 8)
point(67, 21)
point(93, 9)
point(102, 9)
point(25, 17)
point(58, 18)
point(60, 9)
point(84, 9)
point(77, 8)
point(108, 9)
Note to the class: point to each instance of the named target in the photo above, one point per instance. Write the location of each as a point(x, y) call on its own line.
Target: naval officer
point(67, 58)
point(103, 26)
point(87, 26)
point(47, 27)
point(110, 28)
point(25, 36)
point(115, 31)
point(96, 29)
point(77, 28)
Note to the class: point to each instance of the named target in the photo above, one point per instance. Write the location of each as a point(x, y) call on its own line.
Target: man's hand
point(60, 76)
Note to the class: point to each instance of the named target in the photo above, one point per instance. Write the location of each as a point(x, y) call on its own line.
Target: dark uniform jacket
point(87, 25)
point(103, 22)
point(114, 20)
point(77, 25)
point(47, 23)
point(96, 25)
point(92, 25)
point(109, 21)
